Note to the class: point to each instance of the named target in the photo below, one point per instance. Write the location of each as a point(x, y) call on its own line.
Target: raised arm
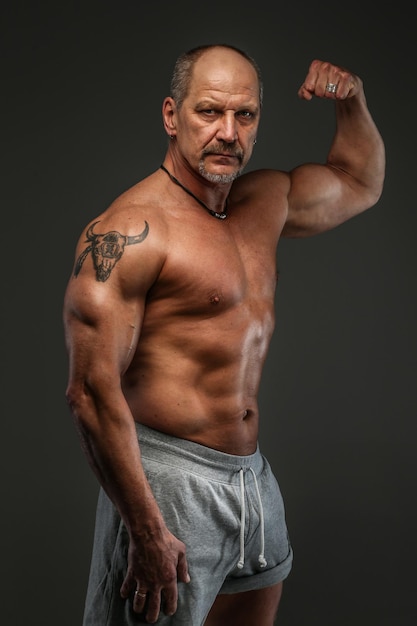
point(103, 311)
point(323, 196)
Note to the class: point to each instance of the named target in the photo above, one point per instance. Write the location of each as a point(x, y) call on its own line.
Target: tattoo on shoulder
point(106, 250)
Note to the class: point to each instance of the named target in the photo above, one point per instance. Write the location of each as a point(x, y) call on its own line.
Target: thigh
point(257, 607)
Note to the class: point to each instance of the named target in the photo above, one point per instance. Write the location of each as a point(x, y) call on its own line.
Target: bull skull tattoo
point(106, 250)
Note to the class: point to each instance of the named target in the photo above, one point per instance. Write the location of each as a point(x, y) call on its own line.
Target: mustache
point(224, 148)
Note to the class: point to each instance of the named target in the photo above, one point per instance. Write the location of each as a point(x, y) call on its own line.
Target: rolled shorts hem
point(259, 580)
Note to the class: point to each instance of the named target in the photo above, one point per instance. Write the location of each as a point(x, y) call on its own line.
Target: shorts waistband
point(196, 457)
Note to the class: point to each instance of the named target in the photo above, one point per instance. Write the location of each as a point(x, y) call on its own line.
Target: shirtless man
point(168, 318)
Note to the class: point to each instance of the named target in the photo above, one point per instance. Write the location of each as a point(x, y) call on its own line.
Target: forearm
point(109, 440)
point(357, 148)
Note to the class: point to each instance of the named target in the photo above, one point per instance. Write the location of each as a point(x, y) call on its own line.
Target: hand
point(322, 74)
point(155, 564)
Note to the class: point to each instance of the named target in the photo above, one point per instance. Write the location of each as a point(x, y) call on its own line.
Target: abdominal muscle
point(201, 385)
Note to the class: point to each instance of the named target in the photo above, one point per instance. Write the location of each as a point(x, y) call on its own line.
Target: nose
point(227, 131)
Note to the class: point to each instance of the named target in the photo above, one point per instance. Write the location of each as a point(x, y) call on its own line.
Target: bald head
point(219, 64)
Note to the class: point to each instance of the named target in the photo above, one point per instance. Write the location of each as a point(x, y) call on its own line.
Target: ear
point(168, 116)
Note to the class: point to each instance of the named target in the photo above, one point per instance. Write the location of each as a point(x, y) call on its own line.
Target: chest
point(218, 268)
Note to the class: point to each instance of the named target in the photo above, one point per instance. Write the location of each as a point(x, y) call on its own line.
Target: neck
point(220, 216)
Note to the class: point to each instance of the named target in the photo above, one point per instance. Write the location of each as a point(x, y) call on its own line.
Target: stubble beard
point(220, 178)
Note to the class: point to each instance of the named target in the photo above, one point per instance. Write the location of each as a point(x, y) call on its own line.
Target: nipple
point(215, 299)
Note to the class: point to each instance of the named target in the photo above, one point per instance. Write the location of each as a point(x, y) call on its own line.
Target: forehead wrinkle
point(219, 92)
point(226, 100)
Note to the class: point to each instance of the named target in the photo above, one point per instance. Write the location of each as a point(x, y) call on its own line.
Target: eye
point(247, 115)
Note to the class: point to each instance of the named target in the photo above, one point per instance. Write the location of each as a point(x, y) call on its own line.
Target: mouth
point(224, 157)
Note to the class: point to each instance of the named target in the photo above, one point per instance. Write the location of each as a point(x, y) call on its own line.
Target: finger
point(346, 87)
point(334, 82)
point(307, 89)
point(182, 569)
point(331, 87)
point(326, 80)
point(127, 586)
point(170, 599)
point(153, 606)
point(304, 93)
point(139, 600)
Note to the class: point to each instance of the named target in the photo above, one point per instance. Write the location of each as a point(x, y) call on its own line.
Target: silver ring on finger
point(138, 593)
point(331, 87)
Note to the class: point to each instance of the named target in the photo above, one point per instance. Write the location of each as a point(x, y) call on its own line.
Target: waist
point(196, 457)
point(233, 432)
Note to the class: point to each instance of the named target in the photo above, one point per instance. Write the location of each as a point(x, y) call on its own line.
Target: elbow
point(74, 402)
point(82, 411)
point(378, 191)
point(88, 398)
point(366, 193)
point(376, 182)
point(77, 400)
point(374, 194)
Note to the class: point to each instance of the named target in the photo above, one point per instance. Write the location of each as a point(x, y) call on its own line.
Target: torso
point(207, 326)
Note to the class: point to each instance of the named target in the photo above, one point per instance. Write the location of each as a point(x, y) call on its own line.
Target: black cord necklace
point(220, 216)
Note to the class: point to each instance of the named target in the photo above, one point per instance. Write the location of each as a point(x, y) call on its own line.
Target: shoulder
point(129, 230)
point(131, 217)
point(140, 205)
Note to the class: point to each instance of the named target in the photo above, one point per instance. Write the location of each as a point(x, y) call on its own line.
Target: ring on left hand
point(331, 87)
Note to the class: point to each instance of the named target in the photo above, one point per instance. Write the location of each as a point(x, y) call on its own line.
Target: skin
point(177, 334)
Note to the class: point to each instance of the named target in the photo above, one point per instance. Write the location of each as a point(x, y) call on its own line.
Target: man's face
point(218, 121)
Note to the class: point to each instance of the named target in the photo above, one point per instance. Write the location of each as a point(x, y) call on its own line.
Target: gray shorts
point(227, 510)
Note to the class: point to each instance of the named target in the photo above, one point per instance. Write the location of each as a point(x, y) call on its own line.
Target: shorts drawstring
point(242, 521)
point(261, 558)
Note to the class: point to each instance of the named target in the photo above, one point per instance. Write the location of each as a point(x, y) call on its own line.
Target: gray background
point(82, 88)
